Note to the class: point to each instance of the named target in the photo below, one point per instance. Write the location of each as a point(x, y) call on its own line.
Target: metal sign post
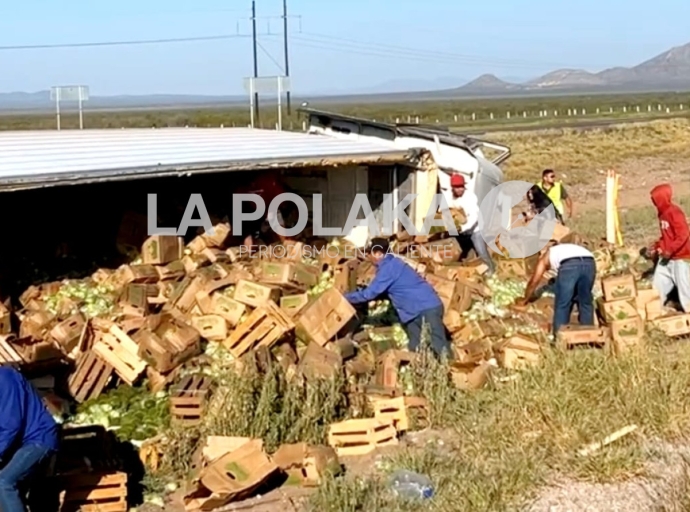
point(267, 85)
point(78, 93)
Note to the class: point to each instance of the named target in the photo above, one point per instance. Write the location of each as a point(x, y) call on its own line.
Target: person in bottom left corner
point(28, 437)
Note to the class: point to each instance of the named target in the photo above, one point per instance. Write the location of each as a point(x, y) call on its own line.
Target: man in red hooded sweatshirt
point(672, 249)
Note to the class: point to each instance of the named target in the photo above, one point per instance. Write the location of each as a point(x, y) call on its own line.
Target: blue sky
point(343, 45)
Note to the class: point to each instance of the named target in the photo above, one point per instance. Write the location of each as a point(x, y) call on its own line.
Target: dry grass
point(581, 153)
point(513, 437)
point(259, 402)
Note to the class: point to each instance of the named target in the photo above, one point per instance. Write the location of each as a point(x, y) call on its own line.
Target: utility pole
point(287, 58)
point(256, 61)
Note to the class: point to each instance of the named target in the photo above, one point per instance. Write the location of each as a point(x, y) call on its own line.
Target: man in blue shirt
point(28, 436)
point(413, 298)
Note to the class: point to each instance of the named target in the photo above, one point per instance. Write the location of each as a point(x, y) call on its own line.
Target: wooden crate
point(361, 436)
point(388, 365)
point(121, 352)
point(399, 410)
point(188, 400)
point(7, 352)
point(322, 319)
point(264, 327)
point(94, 493)
point(90, 377)
point(69, 332)
point(573, 336)
point(87, 449)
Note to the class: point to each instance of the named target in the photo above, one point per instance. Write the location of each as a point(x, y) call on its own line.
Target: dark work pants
point(474, 240)
point(439, 341)
point(574, 284)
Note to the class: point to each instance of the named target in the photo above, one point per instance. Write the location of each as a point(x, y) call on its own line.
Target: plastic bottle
point(410, 485)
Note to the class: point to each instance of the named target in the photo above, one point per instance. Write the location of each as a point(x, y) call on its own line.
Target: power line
point(407, 54)
point(388, 49)
point(123, 43)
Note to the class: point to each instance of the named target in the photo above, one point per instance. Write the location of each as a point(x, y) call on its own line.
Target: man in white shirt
point(469, 234)
point(576, 272)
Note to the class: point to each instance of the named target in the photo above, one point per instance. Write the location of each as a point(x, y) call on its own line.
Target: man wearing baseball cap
point(469, 236)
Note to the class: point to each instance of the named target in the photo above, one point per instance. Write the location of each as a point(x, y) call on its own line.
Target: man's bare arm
point(542, 266)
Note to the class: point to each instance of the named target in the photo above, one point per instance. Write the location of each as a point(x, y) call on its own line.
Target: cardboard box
point(173, 271)
point(648, 297)
point(306, 465)
point(446, 289)
point(627, 334)
point(320, 363)
point(293, 304)
point(183, 296)
point(232, 477)
point(228, 308)
point(674, 325)
point(619, 287)
point(654, 310)
point(324, 317)
point(275, 273)
point(68, 332)
point(255, 294)
point(211, 327)
point(519, 351)
point(162, 249)
point(304, 276)
point(168, 346)
point(217, 239)
point(442, 251)
point(515, 267)
point(473, 353)
point(134, 299)
point(617, 310)
point(471, 377)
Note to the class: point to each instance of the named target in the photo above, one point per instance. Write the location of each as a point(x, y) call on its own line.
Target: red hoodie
point(675, 235)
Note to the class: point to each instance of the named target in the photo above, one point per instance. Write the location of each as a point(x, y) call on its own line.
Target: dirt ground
point(637, 178)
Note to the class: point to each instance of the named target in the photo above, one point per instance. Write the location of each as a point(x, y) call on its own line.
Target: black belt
point(577, 258)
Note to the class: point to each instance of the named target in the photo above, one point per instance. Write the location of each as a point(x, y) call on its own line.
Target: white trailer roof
point(32, 159)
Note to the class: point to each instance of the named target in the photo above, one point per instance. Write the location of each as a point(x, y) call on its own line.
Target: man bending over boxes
point(413, 298)
point(576, 270)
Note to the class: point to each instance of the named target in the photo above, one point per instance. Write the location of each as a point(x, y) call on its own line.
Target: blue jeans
point(574, 285)
point(439, 341)
point(19, 468)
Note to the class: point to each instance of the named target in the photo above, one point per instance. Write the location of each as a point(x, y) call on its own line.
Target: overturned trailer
point(71, 190)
